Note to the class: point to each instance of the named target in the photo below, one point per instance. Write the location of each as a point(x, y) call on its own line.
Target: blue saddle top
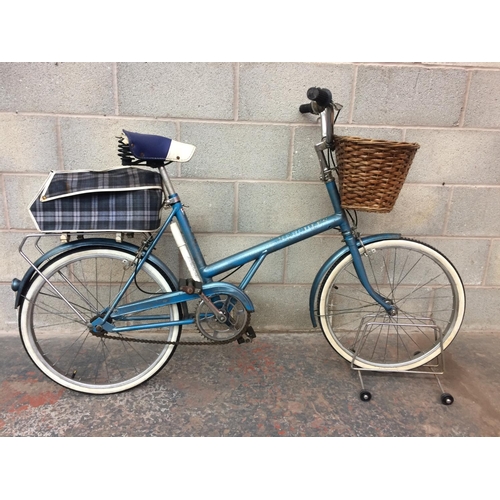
point(156, 147)
point(148, 147)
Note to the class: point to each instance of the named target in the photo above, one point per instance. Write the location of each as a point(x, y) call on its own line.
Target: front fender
point(337, 256)
point(22, 286)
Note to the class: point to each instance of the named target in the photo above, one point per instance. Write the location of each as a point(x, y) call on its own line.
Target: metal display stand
point(435, 367)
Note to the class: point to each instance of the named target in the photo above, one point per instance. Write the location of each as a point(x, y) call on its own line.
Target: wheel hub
point(95, 326)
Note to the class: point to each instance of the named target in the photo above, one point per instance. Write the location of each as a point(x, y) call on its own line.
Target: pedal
point(250, 333)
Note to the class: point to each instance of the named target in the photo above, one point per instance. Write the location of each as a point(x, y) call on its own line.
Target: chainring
point(236, 318)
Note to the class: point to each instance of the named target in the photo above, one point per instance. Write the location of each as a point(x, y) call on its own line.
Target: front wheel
point(77, 287)
point(419, 281)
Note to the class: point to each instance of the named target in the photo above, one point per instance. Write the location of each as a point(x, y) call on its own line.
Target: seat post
point(167, 183)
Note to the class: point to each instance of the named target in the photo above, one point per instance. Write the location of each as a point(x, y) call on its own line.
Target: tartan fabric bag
point(122, 199)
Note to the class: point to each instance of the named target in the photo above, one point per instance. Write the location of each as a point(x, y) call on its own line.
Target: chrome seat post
point(168, 187)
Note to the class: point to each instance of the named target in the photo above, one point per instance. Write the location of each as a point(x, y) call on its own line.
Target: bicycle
point(100, 315)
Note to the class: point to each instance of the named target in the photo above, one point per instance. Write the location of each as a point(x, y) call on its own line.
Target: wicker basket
point(372, 172)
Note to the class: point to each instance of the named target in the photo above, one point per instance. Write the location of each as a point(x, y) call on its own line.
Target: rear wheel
point(76, 288)
point(418, 280)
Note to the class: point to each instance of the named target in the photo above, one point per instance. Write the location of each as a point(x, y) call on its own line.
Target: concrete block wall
point(254, 174)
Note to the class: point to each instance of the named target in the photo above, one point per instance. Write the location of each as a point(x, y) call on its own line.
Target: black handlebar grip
point(322, 96)
point(306, 108)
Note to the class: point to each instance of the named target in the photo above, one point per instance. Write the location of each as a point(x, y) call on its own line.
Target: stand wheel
point(365, 395)
point(447, 399)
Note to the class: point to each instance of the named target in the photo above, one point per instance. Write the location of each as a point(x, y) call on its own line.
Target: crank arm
point(221, 317)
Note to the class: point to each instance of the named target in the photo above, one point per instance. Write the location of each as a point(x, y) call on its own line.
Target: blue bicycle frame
point(202, 274)
point(255, 254)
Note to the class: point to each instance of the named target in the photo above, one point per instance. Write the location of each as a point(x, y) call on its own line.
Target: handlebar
point(320, 98)
point(306, 108)
point(322, 104)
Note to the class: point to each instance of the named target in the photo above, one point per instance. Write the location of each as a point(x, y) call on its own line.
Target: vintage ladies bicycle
point(100, 315)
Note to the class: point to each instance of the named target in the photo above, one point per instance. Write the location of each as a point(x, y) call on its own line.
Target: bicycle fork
point(356, 253)
point(350, 239)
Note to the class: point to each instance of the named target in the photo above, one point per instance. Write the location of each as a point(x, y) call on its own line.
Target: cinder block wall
point(254, 174)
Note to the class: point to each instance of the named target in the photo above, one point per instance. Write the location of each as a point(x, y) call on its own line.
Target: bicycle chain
point(167, 342)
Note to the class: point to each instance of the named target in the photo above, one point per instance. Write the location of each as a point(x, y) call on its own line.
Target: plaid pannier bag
point(120, 199)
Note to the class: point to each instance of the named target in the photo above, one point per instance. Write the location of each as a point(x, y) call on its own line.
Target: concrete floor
point(279, 385)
